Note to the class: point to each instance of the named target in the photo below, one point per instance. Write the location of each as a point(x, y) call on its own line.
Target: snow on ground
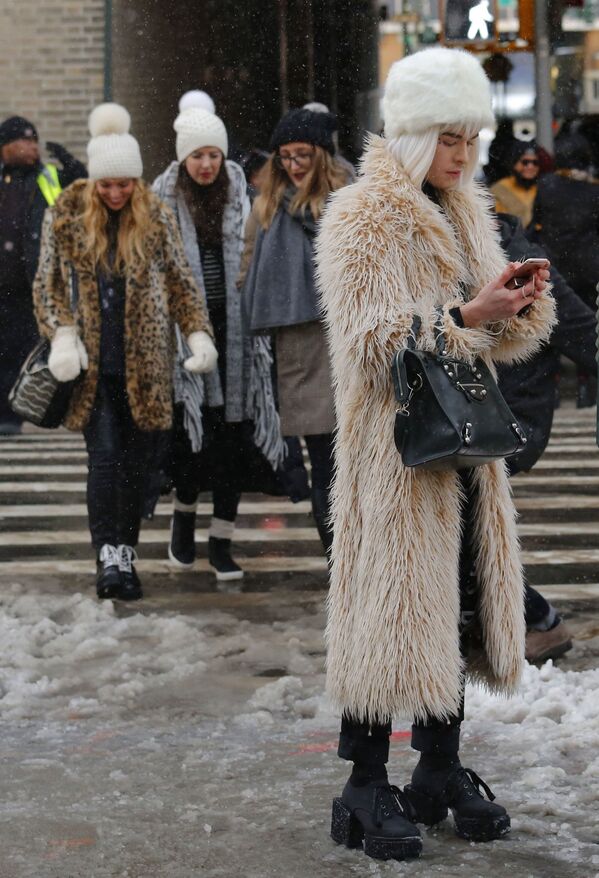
point(153, 745)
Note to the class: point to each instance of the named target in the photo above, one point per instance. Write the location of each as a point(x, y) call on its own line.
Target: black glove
point(57, 151)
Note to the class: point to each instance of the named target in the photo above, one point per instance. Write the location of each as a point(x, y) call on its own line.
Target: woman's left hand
point(204, 354)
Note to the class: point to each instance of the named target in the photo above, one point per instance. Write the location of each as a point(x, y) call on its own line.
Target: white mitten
point(67, 354)
point(204, 354)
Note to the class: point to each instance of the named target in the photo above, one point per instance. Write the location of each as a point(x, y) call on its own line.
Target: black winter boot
point(108, 581)
point(130, 589)
point(182, 547)
point(378, 816)
point(440, 782)
point(219, 555)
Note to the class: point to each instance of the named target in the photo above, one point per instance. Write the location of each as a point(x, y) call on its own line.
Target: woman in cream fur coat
point(426, 580)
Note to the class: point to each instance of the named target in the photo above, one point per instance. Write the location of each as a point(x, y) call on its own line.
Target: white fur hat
point(436, 87)
point(197, 128)
point(197, 98)
point(112, 151)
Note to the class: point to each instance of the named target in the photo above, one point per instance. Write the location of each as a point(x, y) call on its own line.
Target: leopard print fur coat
point(160, 291)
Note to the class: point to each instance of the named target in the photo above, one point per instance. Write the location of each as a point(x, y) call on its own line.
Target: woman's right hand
point(67, 354)
point(496, 302)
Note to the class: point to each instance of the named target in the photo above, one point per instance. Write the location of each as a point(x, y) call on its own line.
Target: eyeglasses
point(534, 163)
point(301, 159)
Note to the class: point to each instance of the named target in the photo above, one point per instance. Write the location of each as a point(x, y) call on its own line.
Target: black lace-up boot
point(369, 811)
point(378, 816)
point(440, 783)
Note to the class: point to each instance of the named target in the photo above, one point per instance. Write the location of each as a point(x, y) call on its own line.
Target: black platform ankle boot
point(440, 783)
point(379, 817)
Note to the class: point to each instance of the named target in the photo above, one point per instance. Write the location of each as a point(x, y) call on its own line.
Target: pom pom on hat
point(433, 87)
point(109, 119)
point(197, 98)
point(112, 151)
point(197, 128)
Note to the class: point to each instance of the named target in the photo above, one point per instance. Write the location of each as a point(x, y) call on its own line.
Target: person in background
point(213, 414)
point(566, 223)
point(253, 164)
point(27, 187)
point(516, 194)
point(528, 388)
point(115, 242)
point(501, 150)
point(279, 287)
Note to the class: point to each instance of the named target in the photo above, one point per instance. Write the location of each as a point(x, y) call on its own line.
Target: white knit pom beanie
point(197, 128)
point(112, 151)
point(436, 87)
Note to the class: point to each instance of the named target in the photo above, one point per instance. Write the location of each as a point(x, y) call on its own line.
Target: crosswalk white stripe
point(51, 469)
point(52, 455)
point(74, 510)
point(148, 536)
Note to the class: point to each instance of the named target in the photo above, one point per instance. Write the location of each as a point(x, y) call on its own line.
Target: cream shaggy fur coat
point(386, 252)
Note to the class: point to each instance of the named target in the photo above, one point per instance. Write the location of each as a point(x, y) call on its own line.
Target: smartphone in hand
point(525, 271)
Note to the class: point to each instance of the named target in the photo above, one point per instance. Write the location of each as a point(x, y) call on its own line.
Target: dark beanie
point(573, 151)
point(305, 126)
point(16, 128)
point(522, 147)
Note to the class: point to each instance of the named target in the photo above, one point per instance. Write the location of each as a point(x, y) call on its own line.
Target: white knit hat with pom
point(197, 98)
point(197, 127)
point(112, 151)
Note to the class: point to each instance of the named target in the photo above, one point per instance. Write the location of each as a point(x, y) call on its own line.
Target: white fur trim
point(197, 98)
point(221, 529)
point(197, 128)
point(434, 87)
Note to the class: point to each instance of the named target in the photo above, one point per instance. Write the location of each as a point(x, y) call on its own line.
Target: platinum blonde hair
point(415, 153)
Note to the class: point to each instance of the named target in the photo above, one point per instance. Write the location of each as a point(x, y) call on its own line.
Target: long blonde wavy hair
point(326, 175)
point(133, 227)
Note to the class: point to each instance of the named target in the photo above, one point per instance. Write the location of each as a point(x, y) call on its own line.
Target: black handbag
point(36, 395)
point(450, 415)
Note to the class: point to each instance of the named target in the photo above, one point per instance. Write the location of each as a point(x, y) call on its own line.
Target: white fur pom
point(109, 119)
point(197, 98)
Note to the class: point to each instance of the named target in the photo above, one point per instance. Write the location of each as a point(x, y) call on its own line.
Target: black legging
point(117, 466)
point(216, 466)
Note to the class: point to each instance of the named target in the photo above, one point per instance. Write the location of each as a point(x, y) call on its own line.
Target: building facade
point(257, 58)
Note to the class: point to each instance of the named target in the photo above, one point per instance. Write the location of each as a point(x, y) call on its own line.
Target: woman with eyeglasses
point(279, 291)
point(516, 194)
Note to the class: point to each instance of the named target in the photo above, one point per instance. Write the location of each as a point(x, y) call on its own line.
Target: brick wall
point(52, 65)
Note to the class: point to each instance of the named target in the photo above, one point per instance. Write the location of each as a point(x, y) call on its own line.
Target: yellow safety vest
point(49, 184)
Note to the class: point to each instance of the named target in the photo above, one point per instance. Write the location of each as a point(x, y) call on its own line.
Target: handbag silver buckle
point(404, 408)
